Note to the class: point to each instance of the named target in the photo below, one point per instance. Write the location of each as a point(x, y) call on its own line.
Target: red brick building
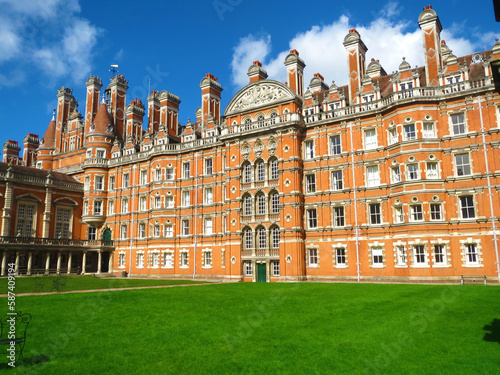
point(392, 177)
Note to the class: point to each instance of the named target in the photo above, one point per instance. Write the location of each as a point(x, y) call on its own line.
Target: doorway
point(261, 273)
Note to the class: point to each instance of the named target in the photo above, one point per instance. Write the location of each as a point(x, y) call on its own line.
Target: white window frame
point(458, 127)
point(310, 183)
point(336, 182)
point(370, 139)
point(312, 218)
point(377, 256)
point(463, 165)
point(372, 175)
point(335, 143)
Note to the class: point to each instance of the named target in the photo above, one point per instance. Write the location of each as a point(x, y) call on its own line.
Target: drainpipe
point(195, 211)
point(132, 222)
point(356, 226)
point(490, 194)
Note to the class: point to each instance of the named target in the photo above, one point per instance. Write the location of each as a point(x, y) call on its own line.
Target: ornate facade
point(391, 177)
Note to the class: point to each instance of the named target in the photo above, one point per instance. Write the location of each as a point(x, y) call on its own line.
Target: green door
point(261, 272)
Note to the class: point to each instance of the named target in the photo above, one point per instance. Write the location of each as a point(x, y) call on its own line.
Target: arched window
point(259, 171)
point(275, 237)
point(247, 205)
point(261, 238)
point(274, 203)
point(261, 204)
point(247, 239)
point(274, 169)
point(247, 173)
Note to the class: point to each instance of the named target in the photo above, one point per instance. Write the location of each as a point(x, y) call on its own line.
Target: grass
point(261, 328)
point(53, 283)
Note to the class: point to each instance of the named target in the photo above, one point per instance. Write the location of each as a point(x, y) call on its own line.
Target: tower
point(210, 98)
point(431, 31)
point(94, 85)
point(295, 72)
point(356, 52)
point(117, 91)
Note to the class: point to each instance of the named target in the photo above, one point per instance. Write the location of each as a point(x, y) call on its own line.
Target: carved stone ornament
point(288, 259)
point(233, 259)
point(272, 146)
point(258, 148)
point(233, 189)
point(259, 94)
point(286, 148)
point(245, 151)
point(233, 222)
point(287, 183)
point(288, 218)
point(233, 158)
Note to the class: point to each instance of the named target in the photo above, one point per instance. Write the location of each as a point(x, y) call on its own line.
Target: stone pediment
point(259, 94)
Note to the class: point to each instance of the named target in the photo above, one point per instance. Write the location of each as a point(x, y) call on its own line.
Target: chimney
point(256, 73)
point(431, 35)
point(295, 72)
point(356, 52)
point(210, 98)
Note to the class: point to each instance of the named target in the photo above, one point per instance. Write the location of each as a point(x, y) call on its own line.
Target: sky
point(171, 45)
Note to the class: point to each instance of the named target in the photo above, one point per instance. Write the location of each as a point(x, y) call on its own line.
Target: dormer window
point(454, 79)
point(407, 85)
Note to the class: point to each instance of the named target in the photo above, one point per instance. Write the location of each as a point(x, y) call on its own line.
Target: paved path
point(107, 290)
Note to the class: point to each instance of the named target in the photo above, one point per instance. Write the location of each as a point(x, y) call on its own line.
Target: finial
point(53, 115)
point(103, 100)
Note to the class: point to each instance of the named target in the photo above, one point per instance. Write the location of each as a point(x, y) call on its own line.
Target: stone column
point(47, 263)
point(30, 261)
point(110, 263)
point(99, 258)
point(4, 263)
point(58, 262)
point(7, 209)
point(16, 269)
point(46, 213)
point(84, 261)
point(70, 256)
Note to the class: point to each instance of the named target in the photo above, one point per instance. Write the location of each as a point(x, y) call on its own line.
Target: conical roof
point(49, 137)
point(102, 121)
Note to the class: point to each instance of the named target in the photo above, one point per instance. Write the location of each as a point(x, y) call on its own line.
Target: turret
point(431, 31)
point(11, 152)
point(117, 91)
point(210, 98)
point(94, 85)
point(356, 52)
point(169, 105)
point(66, 104)
point(295, 72)
point(256, 73)
point(30, 146)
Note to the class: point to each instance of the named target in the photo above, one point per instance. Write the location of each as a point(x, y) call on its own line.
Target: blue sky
point(171, 45)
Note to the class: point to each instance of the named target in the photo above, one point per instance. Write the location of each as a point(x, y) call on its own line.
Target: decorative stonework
point(233, 158)
point(272, 146)
point(258, 148)
point(288, 218)
point(288, 259)
point(233, 189)
point(286, 148)
point(287, 183)
point(245, 151)
point(233, 222)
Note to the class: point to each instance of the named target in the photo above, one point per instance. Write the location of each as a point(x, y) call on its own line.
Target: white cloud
point(322, 50)
point(10, 43)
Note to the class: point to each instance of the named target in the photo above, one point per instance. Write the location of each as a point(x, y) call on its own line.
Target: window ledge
point(473, 265)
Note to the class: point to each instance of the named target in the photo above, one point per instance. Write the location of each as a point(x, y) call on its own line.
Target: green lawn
point(65, 283)
point(259, 328)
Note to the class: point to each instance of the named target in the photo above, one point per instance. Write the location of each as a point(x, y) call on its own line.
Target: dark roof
point(40, 173)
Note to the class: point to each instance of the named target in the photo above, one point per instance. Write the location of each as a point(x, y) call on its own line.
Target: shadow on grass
point(494, 334)
point(26, 362)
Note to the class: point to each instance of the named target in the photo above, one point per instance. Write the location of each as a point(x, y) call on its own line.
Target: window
point(439, 255)
point(399, 214)
point(142, 204)
point(184, 259)
point(312, 219)
point(86, 183)
point(409, 132)
point(412, 172)
point(169, 230)
point(309, 145)
point(337, 180)
point(111, 182)
point(375, 214)
point(377, 257)
point(140, 260)
point(169, 201)
point(63, 218)
point(428, 130)
point(312, 255)
point(274, 169)
point(86, 207)
point(121, 260)
point(401, 255)
point(97, 207)
point(92, 233)
point(248, 239)
point(340, 257)
point(248, 269)
point(275, 203)
point(335, 147)
point(467, 207)
point(261, 204)
point(170, 174)
point(156, 231)
point(186, 198)
point(157, 174)
point(144, 177)
point(209, 166)
point(209, 198)
point(419, 254)
point(247, 205)
point(436, 213)
point(168, 260)
point(247, 173)
point(371, 139)
point(310, 183)
point(126, 180)
point(99, 182)
point(111, 207)
point(261, 174)
point(207, 259)
point(393, 136)
point(276, 268)
point(432, 170)
point(100, 154)
point(123, 232)
point(395, 174)
point(372, 176)
point(155, 260)
point(261, 238)
point(208, 226)
point(471, 254)
point(458, 123)
point(142, 230)
point(186, 170)
point(124, 206)
point(275, 237)
point(185, 227)
point(338, 216)
point(158, 201)
point(462, 165)
point(416, 212)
